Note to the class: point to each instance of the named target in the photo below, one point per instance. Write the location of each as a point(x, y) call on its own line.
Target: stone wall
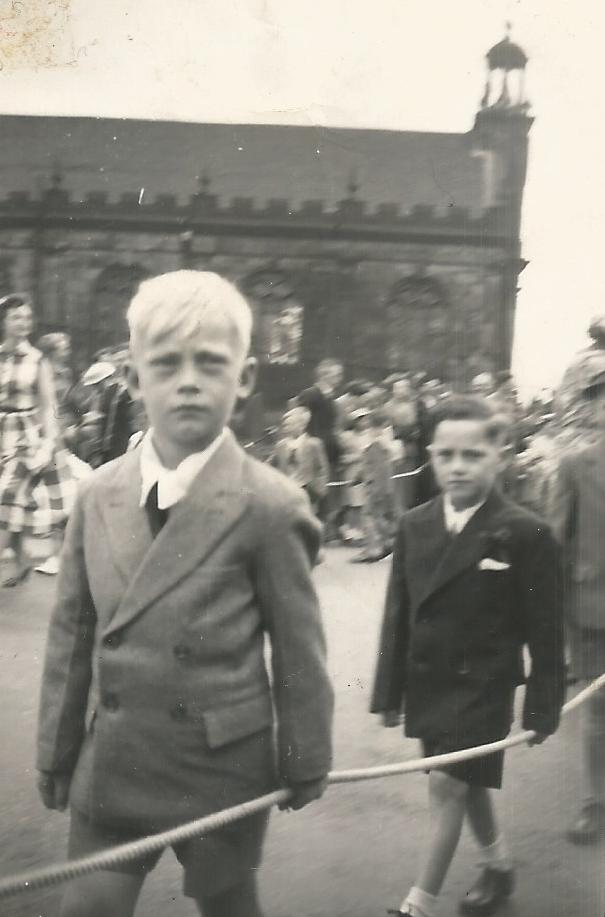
point(82, 279)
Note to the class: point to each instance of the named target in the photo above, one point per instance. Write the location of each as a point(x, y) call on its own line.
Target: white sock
point(496, 855)
point(419, 903)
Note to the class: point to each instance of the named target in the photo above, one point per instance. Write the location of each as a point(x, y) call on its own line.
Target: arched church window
point(111, 294)
point(417, 326)
point(278, 318)
point(5, 277)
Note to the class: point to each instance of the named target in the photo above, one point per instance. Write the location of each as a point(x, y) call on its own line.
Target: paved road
point(355, 852)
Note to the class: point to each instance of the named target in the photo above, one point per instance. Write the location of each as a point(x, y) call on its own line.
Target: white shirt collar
point(457, 519)
point(173, 484)
point(325, 388)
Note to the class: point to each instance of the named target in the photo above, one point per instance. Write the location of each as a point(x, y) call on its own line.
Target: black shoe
point(589, 825)
point(490, 890)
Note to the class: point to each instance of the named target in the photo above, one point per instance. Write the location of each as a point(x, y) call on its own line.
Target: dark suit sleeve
point(541, 593)
point(303, 696)
point(68, 664)
point(390, 677)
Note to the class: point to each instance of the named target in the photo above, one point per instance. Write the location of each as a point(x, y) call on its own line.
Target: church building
point(391, 250)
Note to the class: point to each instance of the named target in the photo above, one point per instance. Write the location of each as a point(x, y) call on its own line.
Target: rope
point(56, 875)
point(394, 477)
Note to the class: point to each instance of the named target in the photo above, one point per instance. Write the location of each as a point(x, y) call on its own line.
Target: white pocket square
point(488, 563)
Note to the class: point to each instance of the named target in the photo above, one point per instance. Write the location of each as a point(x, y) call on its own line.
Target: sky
point(398, 64)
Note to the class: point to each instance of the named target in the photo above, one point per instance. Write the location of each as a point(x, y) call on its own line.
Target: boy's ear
point(132, 379)
point(247, 378)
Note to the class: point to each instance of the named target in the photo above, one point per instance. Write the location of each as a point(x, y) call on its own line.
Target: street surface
point(354, 853)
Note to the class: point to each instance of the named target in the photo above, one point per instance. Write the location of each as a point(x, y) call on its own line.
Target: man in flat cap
point(578, 516)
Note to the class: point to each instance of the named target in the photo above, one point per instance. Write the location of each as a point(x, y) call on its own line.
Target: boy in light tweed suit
point(180, 556)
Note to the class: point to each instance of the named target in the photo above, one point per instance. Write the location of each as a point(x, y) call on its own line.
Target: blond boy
point(156, 706)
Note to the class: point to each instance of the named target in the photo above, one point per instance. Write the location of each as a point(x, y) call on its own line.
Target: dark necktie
point(156, 516)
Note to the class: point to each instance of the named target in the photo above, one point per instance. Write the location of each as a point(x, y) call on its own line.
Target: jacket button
point(182, 652)
point(179, 712)
point(111, 701)
point(112, 641)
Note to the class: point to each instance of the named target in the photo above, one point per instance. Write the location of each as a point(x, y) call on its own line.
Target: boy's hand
point(392, 718)
point(54, 790)
point(304, 793)
point(537, 739)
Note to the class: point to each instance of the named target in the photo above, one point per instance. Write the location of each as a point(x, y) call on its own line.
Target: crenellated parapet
point(205, 211)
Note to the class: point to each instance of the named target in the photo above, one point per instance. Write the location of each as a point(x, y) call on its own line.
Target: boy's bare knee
point(102, 894)
point(444, 788)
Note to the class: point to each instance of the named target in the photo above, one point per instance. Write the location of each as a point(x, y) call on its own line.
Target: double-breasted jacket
point(459, 611)
point(155, 696)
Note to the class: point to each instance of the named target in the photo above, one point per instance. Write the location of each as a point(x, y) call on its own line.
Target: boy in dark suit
point(474, 579)
point(180, 556)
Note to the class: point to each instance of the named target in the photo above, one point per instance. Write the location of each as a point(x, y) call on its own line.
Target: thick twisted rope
point(56, 875)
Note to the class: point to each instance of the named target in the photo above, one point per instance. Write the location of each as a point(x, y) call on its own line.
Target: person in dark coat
point(474, 579)
point(320, 399)
point(578, 519)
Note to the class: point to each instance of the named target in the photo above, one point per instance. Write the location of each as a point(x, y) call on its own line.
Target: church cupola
point(505, 84)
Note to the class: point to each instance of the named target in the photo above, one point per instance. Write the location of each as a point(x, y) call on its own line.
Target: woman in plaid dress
point(37, 486)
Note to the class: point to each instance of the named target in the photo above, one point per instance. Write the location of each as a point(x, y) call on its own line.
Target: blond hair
point(180, 300)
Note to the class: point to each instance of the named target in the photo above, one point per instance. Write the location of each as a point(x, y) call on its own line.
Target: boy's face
point(465, 462)
point(189, 384)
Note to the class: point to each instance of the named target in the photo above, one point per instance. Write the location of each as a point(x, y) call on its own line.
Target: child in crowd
point(474, 579)
point(354, 438)
point(156, 706)
point(379, 459)
point(302, 457)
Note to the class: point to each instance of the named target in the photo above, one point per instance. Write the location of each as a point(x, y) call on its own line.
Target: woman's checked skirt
point(31, 504)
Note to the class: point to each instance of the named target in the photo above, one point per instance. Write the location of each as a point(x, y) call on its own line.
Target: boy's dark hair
point(469, 407)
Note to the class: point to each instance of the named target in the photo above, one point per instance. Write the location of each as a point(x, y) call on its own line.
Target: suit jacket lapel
point(463, 550)
point(194, 526)
point(128, 533)
point(428, 542)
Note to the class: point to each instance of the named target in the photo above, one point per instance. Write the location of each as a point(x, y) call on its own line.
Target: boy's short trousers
point(486, 771)
point(212, 864)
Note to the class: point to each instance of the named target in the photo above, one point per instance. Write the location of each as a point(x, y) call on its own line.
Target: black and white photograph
point(302, 458)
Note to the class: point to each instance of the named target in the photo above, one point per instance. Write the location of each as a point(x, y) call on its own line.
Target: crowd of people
point(358, 447)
